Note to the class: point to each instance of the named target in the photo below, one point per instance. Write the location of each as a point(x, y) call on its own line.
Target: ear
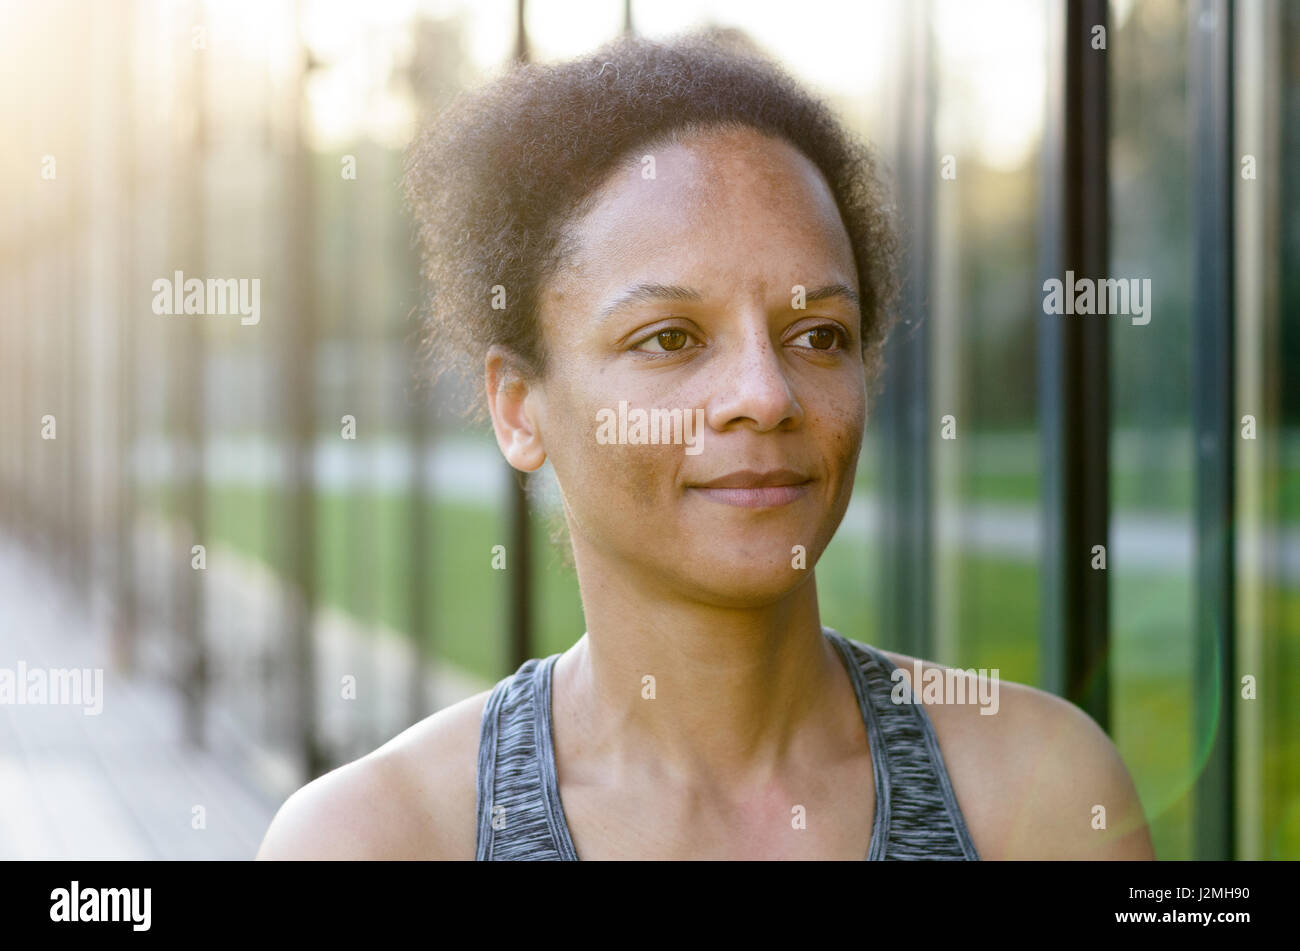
point(513, 403)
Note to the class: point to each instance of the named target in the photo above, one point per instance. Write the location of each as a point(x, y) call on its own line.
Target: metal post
point(1074, 379)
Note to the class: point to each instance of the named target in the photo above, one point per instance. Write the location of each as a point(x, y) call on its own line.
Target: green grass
point(363, 567)
point(1152, 474)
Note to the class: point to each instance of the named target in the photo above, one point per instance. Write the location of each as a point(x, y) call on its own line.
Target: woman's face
point(734, 222)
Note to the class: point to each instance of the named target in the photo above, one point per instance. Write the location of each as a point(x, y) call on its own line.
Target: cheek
point(841, 421)
point(644, 473)
point(617, 494)
point(631, 476)
point(606, 482)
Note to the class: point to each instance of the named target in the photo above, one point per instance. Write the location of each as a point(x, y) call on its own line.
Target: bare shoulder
point(412, 798)
point(1034, 775)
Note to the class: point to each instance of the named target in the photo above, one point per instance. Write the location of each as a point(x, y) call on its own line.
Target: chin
point(741, 584)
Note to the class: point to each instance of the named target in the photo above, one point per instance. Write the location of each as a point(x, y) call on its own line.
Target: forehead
point(723, 209)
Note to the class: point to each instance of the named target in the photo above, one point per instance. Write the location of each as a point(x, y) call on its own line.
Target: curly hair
point(494, 182)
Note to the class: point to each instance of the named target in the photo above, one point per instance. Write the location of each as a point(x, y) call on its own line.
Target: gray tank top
point(520, 816)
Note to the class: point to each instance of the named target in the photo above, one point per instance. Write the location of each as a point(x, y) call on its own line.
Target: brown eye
point(665, 341)
point(671, 339)
point(822, 338)
point(825, 338)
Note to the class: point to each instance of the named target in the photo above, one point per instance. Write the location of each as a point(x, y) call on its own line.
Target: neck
point(735, 695)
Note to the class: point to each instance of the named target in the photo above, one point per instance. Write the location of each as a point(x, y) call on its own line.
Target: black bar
point(1075, 381)
point(1103, 899)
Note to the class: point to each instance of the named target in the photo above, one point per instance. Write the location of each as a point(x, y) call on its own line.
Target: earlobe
point(512, 403)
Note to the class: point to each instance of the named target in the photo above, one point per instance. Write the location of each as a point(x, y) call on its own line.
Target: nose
point(751, 386)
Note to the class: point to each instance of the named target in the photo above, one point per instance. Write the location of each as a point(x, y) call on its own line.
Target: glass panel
point(1151, 556)
point(991, 63)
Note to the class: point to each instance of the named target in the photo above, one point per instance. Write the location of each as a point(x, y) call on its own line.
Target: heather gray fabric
point(916, 817)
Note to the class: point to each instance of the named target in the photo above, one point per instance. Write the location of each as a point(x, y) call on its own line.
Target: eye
point(826, 337)
point(664, 341)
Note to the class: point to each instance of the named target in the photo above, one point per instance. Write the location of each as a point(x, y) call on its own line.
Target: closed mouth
point(750, 479)
point(750, 489)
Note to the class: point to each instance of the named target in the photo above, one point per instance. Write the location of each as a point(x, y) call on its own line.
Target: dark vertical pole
point(299, 354)
point(629, 26)
point(1050, 345)
point(1213, 177)
point(905, 411)
point(520, 547)
point(1074, 383)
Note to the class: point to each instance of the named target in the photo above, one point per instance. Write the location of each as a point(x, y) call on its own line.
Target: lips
point(749, 479)
point(747, 488)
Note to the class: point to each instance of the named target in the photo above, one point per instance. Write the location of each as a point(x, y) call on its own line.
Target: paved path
point(123, 783)
point(120, 784)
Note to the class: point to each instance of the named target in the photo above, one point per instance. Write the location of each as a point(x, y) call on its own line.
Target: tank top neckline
point(544, 731)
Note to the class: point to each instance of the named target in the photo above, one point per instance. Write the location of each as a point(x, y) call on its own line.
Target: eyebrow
point(833, 290)
point(646, 292)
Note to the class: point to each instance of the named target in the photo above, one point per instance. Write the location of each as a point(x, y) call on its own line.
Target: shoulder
point(412, 798)
point(1034, 775)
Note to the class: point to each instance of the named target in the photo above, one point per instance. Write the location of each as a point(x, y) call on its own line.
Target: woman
point(677, 232)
